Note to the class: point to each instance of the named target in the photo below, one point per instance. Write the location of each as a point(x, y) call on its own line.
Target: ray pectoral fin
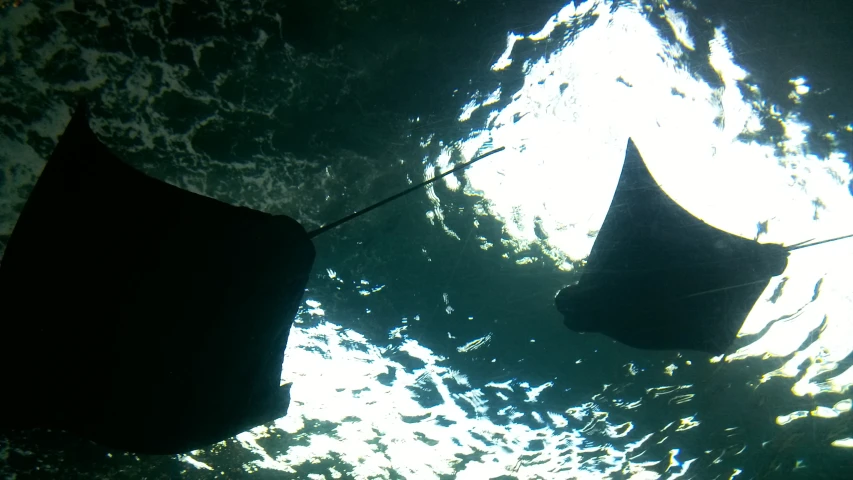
point(267, 407)
point(572, 304)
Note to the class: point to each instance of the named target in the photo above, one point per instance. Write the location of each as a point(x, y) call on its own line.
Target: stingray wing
point(140, 315)
point(660, 278)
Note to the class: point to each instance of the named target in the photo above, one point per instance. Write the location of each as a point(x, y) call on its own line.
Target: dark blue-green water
point(428, 345)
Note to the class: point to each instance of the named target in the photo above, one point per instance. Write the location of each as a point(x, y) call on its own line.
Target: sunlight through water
point(568, 127)
point(565, 131)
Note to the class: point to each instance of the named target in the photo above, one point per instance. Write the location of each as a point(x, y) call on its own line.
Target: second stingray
point(145, 317)
point(659, 278)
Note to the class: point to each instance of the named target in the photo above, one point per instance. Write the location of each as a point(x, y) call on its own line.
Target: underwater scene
point(665, 177)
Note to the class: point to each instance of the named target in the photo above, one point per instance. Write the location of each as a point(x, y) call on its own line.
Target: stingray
point(659, 278)
point(142, 316)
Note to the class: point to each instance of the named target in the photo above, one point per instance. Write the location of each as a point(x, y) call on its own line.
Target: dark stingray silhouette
point(659, 278)
point(142, 316)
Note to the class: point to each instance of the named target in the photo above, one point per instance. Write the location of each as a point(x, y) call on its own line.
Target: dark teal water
point(307, 111)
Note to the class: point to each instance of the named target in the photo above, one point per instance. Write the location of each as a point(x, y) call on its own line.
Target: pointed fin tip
point(79, 117)
point(82, 107)
point(807, 243)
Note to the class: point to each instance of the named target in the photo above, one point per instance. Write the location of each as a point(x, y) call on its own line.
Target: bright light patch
point(565, 131)
point(843, 443)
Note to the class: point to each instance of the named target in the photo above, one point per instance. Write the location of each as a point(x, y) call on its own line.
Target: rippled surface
point(428, 345)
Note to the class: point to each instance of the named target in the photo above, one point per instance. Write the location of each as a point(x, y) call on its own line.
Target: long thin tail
point(327, 227)
point(809, 243)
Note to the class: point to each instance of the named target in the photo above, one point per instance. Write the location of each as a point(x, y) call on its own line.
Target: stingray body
point(142, 316)
point(660, 278)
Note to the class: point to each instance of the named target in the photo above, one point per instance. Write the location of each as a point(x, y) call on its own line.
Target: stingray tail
point(809, 243)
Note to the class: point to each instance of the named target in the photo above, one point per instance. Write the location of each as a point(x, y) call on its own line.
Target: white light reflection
point(566, 129)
